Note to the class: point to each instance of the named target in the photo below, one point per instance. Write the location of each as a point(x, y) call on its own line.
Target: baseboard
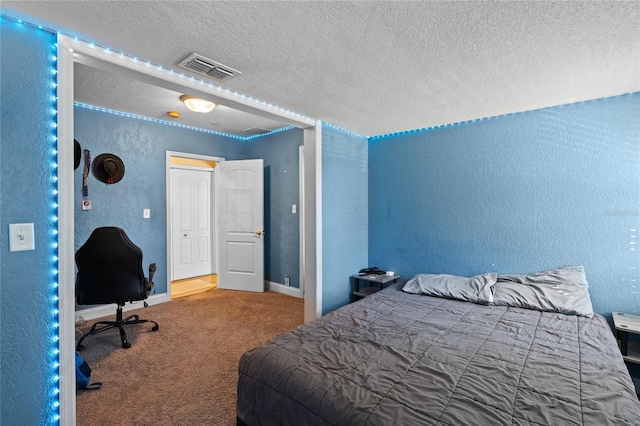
point(279, 288)
point(106, 310)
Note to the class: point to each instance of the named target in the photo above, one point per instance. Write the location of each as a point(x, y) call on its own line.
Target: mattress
point(402, 359)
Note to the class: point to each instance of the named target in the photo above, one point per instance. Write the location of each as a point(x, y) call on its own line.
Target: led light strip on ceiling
point(170, 123)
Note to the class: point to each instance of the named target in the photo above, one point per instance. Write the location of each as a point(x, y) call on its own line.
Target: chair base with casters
point(119, 323)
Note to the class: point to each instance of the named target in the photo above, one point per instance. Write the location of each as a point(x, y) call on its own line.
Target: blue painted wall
point(515, 194)
point(142, 146)
point(25, 196)
point(345, 228)
point(282, 238)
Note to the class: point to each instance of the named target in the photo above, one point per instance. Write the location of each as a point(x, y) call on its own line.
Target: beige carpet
point(185, 373)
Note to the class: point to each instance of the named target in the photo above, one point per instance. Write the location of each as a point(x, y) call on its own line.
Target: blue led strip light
point(170, 71)
point(53, 324)
point(191, 78)
point(281, 129)
point(170, 123)
point(426, 129)
point(340, 129)
point(55, 309)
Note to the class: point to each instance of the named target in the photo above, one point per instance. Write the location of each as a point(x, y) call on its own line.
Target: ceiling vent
point(255, 131)
point(207, 67)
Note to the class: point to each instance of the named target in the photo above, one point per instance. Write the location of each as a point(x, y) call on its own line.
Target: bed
point(396, 358)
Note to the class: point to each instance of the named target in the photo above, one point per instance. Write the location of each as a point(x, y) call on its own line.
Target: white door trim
point(66, 261)
point(313, 222)
point(301, 218)
point(201, 169)
point(71, 50)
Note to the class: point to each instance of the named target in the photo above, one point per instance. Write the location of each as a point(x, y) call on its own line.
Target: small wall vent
point(207, 67)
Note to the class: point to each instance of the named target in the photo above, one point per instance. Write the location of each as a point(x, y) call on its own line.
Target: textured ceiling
point(113, 91)
point(376, 67)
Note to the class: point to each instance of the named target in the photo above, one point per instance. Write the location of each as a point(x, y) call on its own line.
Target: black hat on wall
point(108, 168)
point(77, 154)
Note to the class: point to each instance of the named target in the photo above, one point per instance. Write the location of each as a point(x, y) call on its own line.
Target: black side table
point(364, 285)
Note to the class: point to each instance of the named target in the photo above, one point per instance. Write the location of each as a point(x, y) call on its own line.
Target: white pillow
point(476, 289)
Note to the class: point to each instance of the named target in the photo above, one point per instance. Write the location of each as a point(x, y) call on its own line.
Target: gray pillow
point(476, 289)
point(563, 290)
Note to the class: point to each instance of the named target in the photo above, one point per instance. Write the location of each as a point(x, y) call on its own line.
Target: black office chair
point(110, 271)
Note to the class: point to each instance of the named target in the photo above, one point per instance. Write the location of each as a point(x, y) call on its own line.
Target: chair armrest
point(149, 282)
point(152, 270)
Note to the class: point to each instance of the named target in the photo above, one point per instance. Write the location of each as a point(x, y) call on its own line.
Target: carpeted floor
point(186, 372)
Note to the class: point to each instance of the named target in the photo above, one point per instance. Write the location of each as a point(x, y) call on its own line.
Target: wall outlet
point(286, 281)
point(146, 213)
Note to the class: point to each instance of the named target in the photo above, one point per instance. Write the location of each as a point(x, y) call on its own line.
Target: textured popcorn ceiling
point(371, 67)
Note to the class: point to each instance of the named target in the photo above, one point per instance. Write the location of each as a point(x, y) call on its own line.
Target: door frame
point(71, 50)
point(214, 209)
point(301, 232)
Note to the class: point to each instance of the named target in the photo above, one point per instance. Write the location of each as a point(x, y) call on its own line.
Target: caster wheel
point(126, 345)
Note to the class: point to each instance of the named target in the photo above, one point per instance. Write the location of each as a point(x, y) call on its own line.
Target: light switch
point(294, 208)
point(21, 237)
point(146, 213)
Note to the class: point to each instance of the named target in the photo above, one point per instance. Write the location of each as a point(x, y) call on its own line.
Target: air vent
point(255, 131)
point(207, 67)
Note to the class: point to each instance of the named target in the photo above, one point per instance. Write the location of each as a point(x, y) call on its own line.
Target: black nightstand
point(364, 285)
point(625, 325)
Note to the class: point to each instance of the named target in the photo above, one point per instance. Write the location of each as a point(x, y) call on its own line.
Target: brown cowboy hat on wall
point(108, 168)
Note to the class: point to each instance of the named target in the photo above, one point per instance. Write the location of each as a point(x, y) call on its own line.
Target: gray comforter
point(402, 359)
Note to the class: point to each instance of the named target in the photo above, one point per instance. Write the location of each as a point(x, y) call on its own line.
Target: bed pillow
point(476, 289)
point(563, 290)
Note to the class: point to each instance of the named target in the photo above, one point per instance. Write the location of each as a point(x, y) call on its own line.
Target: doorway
point(191, 230)
point(72, 51)
point(191, 223)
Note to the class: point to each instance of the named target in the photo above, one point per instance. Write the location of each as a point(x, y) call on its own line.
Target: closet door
point(191, 223)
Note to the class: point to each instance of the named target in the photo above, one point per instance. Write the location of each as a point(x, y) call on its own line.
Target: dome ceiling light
point(196, 104)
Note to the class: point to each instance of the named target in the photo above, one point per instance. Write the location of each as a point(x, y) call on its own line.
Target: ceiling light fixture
point(196, 104)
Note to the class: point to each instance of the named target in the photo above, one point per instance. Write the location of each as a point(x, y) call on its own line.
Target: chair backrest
point(109, 269)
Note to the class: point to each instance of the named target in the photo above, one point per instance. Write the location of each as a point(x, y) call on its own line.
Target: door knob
point(258, 233)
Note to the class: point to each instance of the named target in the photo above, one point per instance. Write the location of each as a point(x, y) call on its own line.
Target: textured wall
point(25, 196)
point(515, 194)
point(282, 238)
point(344, 214)
point(142, 146)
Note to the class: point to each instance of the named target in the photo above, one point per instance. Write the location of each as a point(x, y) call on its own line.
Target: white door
point(191, 223)
point(241, 225)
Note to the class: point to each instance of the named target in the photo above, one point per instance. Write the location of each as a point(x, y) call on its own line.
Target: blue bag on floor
point(83, 375)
